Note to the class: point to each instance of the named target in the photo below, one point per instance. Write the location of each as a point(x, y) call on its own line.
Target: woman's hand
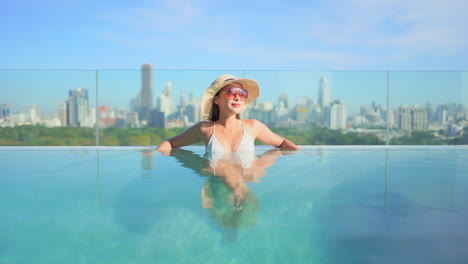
point(165, 148)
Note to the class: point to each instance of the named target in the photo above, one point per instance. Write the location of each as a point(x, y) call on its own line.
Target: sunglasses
point(231, 93)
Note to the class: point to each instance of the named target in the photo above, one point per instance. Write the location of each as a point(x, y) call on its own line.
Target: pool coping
point(258, 147)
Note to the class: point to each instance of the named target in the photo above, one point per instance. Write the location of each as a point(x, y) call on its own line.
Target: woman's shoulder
point(203, 125)
point(203, 129)
point(253, 125)
point(252, 122)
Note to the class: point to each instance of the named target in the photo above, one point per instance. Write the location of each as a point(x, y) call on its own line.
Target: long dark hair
point(214, 115)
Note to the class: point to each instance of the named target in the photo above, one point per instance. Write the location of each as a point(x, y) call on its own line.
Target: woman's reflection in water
point(225, 194)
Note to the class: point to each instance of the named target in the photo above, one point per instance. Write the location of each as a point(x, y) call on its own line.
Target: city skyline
point(163, 110)
point(117, 87)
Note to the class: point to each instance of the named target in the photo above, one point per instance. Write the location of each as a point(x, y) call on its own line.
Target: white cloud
point(426, 26)
point(162, 16)
point(340, 33)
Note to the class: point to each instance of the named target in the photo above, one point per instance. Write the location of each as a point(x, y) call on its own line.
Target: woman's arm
point(190, 136)
point(288, 144)
point(266, 136)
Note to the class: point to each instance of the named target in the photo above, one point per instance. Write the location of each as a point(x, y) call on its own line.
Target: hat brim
point(207, 100)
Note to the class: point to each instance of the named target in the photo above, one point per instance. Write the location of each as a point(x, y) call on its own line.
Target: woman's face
point(233, 105)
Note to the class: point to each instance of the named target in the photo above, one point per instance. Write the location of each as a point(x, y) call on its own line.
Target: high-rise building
point(5, 110)
point(302, 110)
point(165, 103)
point(78, 106)
point(146, 93)
point(34, 114)
point(132, 119)
point(195, 100)
point(390, 118)
point(337, 115)
point(418, 119)
point(62, 114)
point(441, 114)
point(182, 102)
point(324, 93)
point(429, 111)
point(135, 104)
point(404, 118)
point(156, 119)
point(282, 109)
point(413, 118)
point(460, 113)
point(190, 111)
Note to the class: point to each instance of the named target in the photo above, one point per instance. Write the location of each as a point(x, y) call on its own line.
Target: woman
point(222, 104)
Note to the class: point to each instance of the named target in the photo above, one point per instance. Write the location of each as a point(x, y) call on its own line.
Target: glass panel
point(323, 107)
point(57, 107)
point(47, 107)
point(464, 92)
point(428, 108)
point(170, 103)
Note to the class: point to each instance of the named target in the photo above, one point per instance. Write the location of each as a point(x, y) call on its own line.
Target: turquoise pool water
point(317, 205)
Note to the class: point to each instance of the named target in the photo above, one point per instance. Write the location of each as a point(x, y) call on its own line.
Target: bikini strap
point(214, 127)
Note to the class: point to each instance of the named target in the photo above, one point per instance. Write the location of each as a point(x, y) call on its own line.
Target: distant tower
point(5, 110)
point(404, 118)
point(165, 102)
point(78, 106)
point(324, 93)
point(283, 102)
point(430, 111)
point(442, 114)
point(146, 93)
point(337, 117)
point(302, 111)
point(182, 99)
point(34, 113)
point(418, 119)
point(62, 114)
point(282, 109)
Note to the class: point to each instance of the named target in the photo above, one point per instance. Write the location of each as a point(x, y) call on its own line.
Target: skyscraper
point(62, 114)
point(337, 116)
point(156, 119)
point(78, 106)
point(165, 103)
point(34, 114)
point(324, 93)
point(302, 111)
point(404, 118)
point(182, 99)
point(418, 119)
point(282, 108)
point(146, 93)
point(5, 110)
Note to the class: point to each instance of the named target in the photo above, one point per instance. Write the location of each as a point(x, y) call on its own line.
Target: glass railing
point(142, 107)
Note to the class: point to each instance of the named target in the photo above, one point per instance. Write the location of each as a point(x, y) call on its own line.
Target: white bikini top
point(245, 152)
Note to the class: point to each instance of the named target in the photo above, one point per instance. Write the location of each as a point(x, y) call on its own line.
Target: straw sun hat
point(207, 100)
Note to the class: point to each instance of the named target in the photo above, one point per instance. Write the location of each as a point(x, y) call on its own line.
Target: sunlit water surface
point(317, 205)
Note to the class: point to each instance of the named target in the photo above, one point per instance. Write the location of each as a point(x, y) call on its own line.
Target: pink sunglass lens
point(231, 93)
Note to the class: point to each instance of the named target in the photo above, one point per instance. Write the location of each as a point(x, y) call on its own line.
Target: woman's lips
point(236, 105)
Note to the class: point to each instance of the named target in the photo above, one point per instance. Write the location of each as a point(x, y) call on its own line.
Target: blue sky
point(282, 35)
point(323, 36)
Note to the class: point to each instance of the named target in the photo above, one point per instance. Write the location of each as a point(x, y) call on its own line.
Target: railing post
point(388, 107)
point(97, 108)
